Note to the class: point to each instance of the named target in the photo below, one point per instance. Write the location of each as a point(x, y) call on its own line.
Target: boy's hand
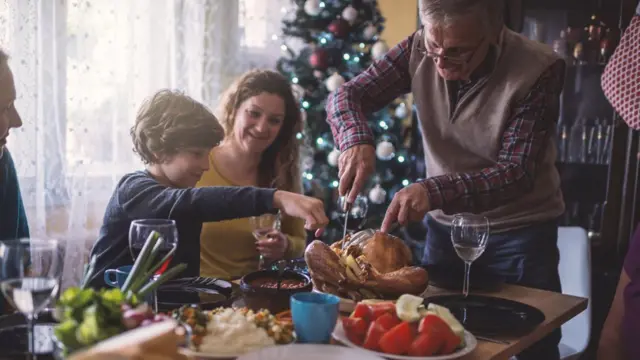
point(303, 207)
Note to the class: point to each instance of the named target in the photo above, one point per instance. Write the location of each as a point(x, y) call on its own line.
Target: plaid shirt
point(525, 136)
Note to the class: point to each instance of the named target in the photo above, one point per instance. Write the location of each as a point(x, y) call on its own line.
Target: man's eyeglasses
point(458, 59)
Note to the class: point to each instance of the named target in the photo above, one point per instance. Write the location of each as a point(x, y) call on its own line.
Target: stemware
point(354, 215)
point(139, 231)
point(469, 235)
point(264, 227)
point(30, 271)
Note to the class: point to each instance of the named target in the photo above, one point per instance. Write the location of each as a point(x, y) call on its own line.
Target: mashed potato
point(230, 332)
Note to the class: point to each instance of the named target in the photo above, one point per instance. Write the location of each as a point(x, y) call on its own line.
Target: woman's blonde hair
point(280, 163)
point(170, 121)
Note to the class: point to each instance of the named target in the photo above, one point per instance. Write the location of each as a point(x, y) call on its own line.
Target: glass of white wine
point(30, 271)
point(469, 234)
point(265, 227)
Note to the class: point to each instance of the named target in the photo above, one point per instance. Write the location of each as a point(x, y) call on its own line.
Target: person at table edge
point(13, 218)
point(487, 100)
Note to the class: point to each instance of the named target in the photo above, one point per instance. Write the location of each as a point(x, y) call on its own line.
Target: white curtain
point(82, 67)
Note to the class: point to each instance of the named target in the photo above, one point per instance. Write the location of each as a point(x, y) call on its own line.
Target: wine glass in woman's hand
point(270, 241)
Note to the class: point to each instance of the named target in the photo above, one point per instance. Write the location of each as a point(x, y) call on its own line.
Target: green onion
point(138, 266)
point(170, 274)
point(140, 282)
point(88, 271)
point(154, 253)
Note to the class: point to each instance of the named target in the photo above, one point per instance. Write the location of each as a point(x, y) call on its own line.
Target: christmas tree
point(340, 39)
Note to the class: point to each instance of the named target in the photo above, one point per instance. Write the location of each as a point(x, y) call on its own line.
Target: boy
point(174, 134)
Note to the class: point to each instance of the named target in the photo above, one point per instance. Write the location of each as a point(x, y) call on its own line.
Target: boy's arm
point(140, 196)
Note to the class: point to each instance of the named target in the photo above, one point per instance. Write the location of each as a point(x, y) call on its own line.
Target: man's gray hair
point(446, 11)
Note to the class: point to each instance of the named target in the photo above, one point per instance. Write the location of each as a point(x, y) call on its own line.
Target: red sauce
point(270, 283)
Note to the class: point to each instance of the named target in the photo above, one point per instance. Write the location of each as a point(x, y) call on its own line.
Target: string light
point(323, 41)
point(309, 176)
point(361, 45)
point(295, 80)
point(401, 159)
point(305, 104)
point(335, 184)
point(299, 136)
point(320, 141)
point(322, 5)
point(274, 37)
point(346, 56)
point(405, 182)
point(283, 47)
point(383, 125)
point(356, 59)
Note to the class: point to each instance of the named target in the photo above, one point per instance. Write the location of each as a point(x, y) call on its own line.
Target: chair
point(575, 277)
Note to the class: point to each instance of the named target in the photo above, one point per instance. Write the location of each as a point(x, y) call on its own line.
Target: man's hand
point(408, 204)
point(356, 164)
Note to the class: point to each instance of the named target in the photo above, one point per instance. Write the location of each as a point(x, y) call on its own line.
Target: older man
point(487, 99)
point(13, 221)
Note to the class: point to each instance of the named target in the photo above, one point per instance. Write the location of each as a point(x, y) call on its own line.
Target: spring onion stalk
point(154, 254)
point(137, 268)
point(170, 274)
point(140, 282)
point(89, 270)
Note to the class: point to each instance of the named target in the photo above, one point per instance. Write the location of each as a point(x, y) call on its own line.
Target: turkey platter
point(376, 267)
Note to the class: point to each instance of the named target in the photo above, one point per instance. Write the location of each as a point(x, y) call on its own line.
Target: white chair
point(575, 277)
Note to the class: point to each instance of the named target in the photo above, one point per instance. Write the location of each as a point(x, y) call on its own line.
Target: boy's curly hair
point(170, 121)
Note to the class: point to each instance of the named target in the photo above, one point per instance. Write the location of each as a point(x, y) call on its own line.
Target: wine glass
point(354, 216)
point(30, 271)
point(263, 227)
point(139, 231)
point(469, 234)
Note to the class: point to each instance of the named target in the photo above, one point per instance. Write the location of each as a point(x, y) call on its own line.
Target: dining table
point(557, 308)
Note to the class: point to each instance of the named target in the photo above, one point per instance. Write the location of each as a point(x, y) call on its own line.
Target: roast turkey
point(376, 267)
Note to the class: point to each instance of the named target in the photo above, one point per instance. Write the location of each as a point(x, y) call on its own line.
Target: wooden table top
point(557, 308)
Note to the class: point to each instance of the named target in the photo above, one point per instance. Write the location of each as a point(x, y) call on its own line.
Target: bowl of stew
point(260, 289)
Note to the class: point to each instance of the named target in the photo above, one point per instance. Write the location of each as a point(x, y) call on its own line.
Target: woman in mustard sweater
point(261, 118)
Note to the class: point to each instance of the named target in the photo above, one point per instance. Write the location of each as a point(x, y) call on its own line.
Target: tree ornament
point(379, 49)
point(350, 14)
point(369, 32)
point(312, 7)
point(339, 28)
point(334, 81)
point(333, 157)
point(377, 195)
point(319, 59)
point(385, 150)
point(401, 111)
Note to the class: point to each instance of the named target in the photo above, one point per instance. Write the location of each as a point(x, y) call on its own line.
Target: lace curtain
point(82, 68)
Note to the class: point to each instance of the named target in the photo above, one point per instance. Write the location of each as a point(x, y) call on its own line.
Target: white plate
point(469, 339)
point(309, 352)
